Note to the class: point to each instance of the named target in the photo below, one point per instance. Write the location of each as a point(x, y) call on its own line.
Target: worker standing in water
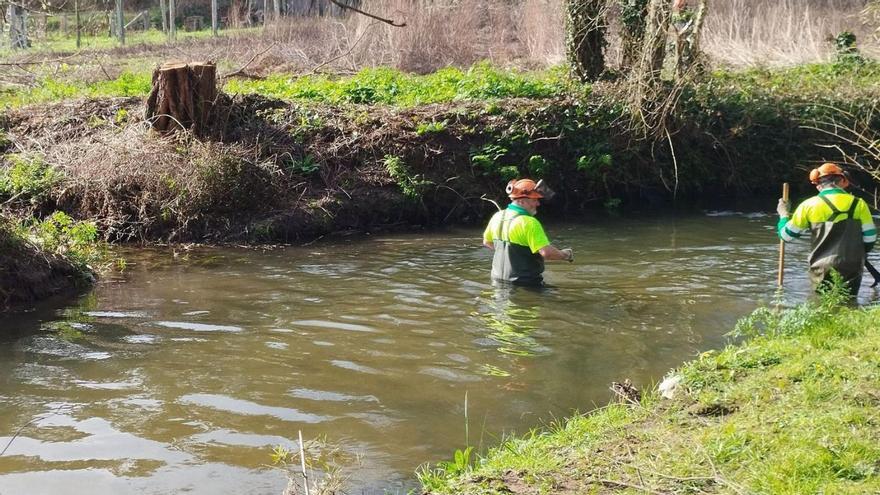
point(841, 229)
point(518, 239)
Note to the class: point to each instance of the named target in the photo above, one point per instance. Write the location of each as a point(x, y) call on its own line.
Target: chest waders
point(838, 246)
point(512, 262)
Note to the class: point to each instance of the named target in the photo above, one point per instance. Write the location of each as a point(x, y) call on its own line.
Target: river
point(182, 373)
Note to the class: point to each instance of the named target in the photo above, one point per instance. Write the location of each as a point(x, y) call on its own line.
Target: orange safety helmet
point(829, 170)
point(523, 188)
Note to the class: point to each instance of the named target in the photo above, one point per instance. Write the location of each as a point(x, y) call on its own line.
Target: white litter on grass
point(669, 385)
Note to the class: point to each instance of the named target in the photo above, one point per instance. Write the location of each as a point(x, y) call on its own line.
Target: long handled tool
point(782, 243)
point(874, 273)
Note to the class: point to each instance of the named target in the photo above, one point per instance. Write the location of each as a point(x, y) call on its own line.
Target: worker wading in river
point(841, 229)
point(518, 239)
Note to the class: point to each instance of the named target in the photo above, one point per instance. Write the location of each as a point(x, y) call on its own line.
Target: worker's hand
point(569, 254)
point(783, 208)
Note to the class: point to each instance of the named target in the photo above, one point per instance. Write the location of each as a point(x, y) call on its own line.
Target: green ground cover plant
point(392, 87)
point(380, 85)
point(28, 177)
point(792, 409)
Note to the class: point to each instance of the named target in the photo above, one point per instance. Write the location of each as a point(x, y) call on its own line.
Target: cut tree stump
point(182, 97)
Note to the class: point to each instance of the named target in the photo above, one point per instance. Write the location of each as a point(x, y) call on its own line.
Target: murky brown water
point(183, 374)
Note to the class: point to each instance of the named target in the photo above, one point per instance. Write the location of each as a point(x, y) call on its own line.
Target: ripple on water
point(348, 365)
point(351, 327)
point(324, 395)
point(95, 385)
point(248, 408)
point(230, 437)
point(53, 346)
point(100, 441)
point(115, 314)
point(198, 327)
point(141, 339)
point(449, 374)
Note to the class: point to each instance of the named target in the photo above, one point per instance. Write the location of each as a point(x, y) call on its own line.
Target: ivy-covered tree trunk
point(656, 35)
point(585, 38)
point(633, 14)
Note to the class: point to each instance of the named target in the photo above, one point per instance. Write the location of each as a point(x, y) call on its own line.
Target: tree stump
point(182, 97)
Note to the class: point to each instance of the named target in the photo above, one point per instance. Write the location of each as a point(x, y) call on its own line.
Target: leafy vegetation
point(791, 410)
point(56, 88)
point(412, 185)
point(59, 234)
point(28, 177)
point(393, 87)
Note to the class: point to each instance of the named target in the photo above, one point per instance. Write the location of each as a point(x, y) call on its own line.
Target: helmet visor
point(545, 191)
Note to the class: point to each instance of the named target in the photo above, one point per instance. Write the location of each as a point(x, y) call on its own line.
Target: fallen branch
point(240, 71)
point(371, 16)
point(38, 62)
point(351, 49)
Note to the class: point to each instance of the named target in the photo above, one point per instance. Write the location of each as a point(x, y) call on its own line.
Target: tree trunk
point(653, 50)
point(214, 19)
point(164, 14)
point(78, 24)
point(686, 26)
point(182, 97)
point(120, 22)
point(632, 19)
point(585, 38)
point(172, 20)
point(17, 18)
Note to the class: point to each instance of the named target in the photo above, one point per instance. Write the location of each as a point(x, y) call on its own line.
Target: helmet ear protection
point(827, 173)
point(509, 188)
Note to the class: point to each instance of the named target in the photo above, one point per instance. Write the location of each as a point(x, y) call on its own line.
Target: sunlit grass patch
point(51, 88)
point(392, 87)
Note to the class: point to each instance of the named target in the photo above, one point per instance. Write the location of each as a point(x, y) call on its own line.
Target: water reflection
point(511, 316)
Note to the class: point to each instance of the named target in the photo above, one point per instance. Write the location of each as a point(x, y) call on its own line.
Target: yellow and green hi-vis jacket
point(841, 233)
point(815, 211)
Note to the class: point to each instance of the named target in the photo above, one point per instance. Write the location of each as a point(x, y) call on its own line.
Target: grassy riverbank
point(294, 158)
point(792, 410)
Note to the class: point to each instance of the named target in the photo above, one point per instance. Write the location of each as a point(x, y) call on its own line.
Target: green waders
point(838, 246)
point(512, 262)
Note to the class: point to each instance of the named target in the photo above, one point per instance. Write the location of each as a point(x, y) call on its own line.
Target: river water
point(183, 373)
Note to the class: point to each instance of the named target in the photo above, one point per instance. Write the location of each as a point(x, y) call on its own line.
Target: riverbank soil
point(347, 155)
point(792, 410)
point(28, 274)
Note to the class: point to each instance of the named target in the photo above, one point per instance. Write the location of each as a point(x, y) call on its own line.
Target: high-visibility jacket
point(516, 237)
point(841, 233)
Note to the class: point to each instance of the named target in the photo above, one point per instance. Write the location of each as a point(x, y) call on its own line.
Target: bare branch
point(240, 71)
point(371, 16)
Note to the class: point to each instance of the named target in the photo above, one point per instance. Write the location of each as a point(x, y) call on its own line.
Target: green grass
point(58, 43)
point(826, 79)
point(392, 87)
point(52, 89)
point(794, 409)
point(483, 81)
point(370, 86)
